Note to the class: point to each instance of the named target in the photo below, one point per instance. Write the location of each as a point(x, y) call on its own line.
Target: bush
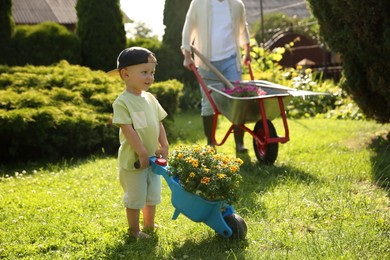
point(63, 111)
point(335, 103)
point(43, 44)
point(360, 32)
point(168, 93)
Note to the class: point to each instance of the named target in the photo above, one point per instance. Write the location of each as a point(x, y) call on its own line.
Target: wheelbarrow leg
point(176, 213)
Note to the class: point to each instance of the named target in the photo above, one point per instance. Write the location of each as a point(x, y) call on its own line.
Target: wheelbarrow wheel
point(265, 153)
point(238, 226)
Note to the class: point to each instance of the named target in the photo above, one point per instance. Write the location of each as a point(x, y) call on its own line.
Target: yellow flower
point(221, 175)
point(233, 168)
point(195, 163)
point(239, 161)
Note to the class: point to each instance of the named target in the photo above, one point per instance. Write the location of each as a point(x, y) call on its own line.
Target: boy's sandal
point(140, 235)
point(150, 229)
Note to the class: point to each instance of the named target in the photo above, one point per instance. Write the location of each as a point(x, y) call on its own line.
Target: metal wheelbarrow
point(259, 109)
point(218, 215)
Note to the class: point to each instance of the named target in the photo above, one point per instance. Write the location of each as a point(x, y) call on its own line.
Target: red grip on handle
point(161, 161)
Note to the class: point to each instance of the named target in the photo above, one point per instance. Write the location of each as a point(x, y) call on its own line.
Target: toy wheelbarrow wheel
point(238, 226)
point(265, 152)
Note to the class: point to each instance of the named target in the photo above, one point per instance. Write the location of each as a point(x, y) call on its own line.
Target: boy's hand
point(162, 152)
point(143, 161)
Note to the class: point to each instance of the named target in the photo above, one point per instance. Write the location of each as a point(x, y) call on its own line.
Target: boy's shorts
point(141, 187)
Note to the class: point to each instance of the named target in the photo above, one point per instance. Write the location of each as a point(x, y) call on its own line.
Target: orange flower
point(205, 180)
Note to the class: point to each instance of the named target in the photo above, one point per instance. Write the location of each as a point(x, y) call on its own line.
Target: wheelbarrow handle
point(248, 63)
point(212, 68)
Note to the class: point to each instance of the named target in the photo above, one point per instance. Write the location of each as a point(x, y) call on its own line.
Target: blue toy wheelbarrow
point(216, 214)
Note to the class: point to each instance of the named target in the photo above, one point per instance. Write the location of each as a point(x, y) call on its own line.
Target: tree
point(360, 32)
point(174, 16)
point(101, 31)
point(7, 26)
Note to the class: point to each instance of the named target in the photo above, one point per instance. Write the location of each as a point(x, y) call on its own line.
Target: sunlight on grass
point(326, 197)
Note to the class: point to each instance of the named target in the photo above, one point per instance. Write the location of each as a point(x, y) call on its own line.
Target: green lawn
point(326, 197)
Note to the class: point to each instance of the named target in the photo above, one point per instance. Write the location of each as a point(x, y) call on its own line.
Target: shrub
point(62, 111)
point(168, 93)
point(335, 103)
point(44, 44)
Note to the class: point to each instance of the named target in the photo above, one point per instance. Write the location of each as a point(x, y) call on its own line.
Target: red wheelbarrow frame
point(262, 141)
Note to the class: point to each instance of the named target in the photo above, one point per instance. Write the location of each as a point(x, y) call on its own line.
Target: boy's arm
point(163, 143)
point(134, 141)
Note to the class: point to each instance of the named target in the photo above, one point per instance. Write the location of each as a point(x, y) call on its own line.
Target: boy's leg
point(133, 221)
point(149, 213)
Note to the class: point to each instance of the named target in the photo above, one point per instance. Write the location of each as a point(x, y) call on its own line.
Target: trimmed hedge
point(43, 44)
point(63, 111)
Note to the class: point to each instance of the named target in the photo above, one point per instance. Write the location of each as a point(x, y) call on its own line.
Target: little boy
point(138, 114)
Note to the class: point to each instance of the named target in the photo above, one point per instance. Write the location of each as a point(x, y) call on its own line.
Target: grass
point(326, 197)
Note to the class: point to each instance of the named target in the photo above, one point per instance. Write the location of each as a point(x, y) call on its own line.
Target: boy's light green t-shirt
point(144, 113)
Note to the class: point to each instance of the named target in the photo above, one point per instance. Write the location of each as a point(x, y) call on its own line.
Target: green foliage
point(360, 31)
point(43, 44)
point(7, 25)
point(264, 64)
point(63, 111)
point(50, 112)
point(174, 16)
point(101, 31)
point(202, 171)
point(168, 93)
point(279, 22)
point(336, 104)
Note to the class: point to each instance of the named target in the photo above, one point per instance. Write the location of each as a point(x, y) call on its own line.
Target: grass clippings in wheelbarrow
point(204, 172)
point(244, 90)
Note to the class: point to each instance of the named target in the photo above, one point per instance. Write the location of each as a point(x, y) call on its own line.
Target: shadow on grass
point(259, 178)
point(221, 248)
point(129, 248)
point(380, 161)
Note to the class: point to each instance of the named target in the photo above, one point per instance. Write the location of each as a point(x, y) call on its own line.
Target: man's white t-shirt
point(222, 40)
